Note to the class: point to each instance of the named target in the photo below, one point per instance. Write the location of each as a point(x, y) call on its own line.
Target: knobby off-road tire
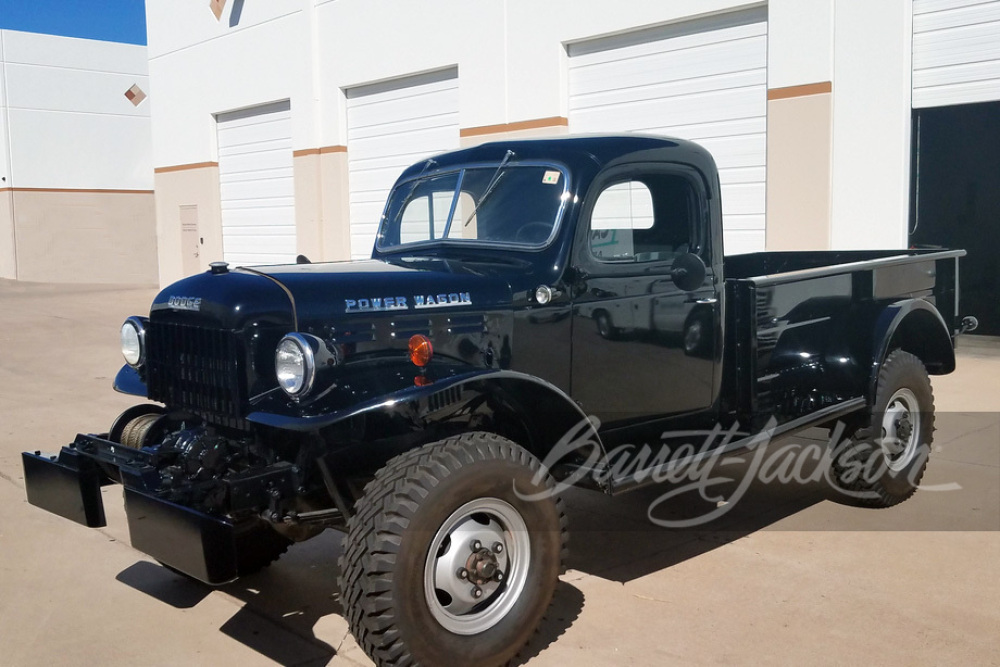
point(433, 528)
point(884, 466)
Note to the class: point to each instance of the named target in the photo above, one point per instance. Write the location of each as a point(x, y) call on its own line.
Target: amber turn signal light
point(421, 350)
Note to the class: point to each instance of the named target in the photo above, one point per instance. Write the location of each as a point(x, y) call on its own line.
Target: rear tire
point(414, 585)
point(883, 466)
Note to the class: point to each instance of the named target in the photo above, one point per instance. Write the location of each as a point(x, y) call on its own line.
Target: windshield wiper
point(494, 180)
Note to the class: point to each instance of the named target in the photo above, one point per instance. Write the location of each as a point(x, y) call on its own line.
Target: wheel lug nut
point(476, 545)
point(463, 573)
point(498, 576)
point(477, 592)
point(498, 548)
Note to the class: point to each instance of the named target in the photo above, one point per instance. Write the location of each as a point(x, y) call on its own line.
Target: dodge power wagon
point(529, 308)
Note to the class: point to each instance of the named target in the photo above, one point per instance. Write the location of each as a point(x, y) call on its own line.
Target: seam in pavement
point(8, 478)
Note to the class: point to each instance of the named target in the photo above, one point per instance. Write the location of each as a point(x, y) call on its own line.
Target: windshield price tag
point(551, 178)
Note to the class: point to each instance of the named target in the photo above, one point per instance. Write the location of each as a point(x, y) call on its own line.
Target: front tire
point(884, 466)
point(445, 561)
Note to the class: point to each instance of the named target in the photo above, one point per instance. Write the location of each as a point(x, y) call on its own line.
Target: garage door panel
point(415, 108)
point(257, 186)
point(252, 175)
point(957, 46)
point(259, 216)
point(240, 195)
point(951, 14)
point(738, 175)
point(278, 148)
point(253, 133)
point(958, 75)
point(420, 143)
point(741, 241)
point(743, 199)
point(706, 82)
point(404, 89)
point(749, 80)
point(678, 37)
point(738, 152)
point(390, 127)
point(700, 132)
point(700, 109)
point(671, 68)
point(956, 52)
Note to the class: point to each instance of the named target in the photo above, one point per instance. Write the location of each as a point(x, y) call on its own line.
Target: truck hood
point(334, 290)
point(304, 296)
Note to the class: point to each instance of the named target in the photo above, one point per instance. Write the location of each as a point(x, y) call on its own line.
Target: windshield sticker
point(551, 178)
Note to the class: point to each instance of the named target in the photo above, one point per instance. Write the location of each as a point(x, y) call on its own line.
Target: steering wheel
point(533, 232)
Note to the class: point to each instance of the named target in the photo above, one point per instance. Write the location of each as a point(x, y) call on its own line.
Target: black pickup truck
point(529, 308)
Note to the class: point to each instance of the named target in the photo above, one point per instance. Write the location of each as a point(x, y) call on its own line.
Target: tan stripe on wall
point(184, 167)
point(319, 151)
point(800, 91)
point(538, 123)
point(74, 190)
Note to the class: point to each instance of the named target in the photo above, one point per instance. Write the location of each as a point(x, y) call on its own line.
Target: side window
point(645, 219)
point(620, 210)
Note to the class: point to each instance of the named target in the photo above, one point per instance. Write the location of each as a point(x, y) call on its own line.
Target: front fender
point(128, 381)
point(555, 422)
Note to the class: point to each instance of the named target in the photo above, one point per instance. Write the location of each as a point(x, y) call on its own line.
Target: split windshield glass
point(518, 204)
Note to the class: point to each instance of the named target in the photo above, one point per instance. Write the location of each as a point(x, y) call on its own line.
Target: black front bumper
point(69, 485)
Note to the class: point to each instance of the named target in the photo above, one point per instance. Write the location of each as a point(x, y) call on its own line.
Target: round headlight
point(295, 365)
point(133, 338)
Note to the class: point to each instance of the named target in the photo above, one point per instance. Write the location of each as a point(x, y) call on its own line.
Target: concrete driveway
point(784, 576)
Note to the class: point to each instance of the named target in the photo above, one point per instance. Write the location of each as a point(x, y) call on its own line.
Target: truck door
point(643, 348)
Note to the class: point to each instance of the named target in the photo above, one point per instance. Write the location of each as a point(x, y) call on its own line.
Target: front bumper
point(69, 485)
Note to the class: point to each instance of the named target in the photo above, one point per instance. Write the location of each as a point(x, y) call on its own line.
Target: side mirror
point(688, 272)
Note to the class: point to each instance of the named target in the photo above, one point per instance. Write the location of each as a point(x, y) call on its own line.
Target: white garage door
point(704, 80)
point(257, 185)
point(389, 127)
point(956, 52)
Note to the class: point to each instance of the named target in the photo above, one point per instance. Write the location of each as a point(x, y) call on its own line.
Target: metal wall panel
point(389, 127)
point(956, 52)
point(703, 80)
point(257, 186)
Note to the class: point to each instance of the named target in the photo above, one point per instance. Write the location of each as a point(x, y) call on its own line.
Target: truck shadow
point(291, 611)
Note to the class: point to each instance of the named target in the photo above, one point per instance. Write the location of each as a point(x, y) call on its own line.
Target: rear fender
point(916, 326)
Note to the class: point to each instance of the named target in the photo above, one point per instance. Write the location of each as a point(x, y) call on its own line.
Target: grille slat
point(197, 369)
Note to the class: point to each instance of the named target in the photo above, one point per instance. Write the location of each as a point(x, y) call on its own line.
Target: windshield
point(505, 204)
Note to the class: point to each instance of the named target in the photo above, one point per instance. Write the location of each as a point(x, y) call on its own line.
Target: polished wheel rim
point(477, 566)
point(900, 429)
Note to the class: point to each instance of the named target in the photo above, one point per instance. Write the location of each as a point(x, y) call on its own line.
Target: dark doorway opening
point(955, 198)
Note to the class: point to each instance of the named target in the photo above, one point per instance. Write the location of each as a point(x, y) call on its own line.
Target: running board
point(647, 476)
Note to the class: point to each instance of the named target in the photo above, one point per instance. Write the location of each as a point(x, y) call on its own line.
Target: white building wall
point(799, 42)
point(871, 123)
point(512, 64)
point(69, 124)
point(5, 167)
point(203, 67)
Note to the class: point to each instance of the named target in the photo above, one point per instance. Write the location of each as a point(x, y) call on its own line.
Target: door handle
point(703, 301)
